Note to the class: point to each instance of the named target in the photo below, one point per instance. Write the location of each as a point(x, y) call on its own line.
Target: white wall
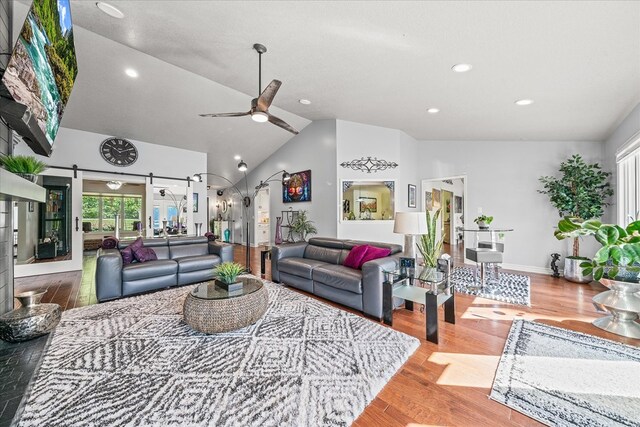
point(356, 140)
point(502, 179)
point(82, 148)
point(628, 129)
point(313, 148)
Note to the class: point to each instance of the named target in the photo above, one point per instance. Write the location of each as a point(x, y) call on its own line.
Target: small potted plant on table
point(617, 266)
point(483, 221)
point(227, 275)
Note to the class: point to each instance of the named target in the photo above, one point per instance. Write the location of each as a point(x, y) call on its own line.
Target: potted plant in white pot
point(27, 167)
point(581, 192)
point(483, 221)
point(617, 266)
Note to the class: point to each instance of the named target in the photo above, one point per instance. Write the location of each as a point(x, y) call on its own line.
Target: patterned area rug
point(134, 362)
point(565, 378)
point(512, 288)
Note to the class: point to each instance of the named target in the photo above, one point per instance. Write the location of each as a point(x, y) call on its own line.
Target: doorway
point(447, 195)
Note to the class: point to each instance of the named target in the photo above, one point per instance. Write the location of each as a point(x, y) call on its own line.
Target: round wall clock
point(118, 152)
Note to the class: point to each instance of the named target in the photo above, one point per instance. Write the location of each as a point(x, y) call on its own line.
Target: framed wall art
point(298, 188)
point(412, 196)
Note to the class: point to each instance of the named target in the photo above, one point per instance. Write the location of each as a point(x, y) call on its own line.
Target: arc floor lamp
point(247, 198)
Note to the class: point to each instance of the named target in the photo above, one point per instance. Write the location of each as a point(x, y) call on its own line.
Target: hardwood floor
point(441, 384)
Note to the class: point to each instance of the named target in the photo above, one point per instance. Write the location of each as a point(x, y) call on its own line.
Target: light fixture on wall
point(114, 185)
point(242, 166)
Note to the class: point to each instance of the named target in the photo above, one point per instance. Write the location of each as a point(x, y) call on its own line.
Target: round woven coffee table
point(212, 309)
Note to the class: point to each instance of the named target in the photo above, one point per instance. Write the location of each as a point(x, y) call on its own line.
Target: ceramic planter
point(622, 301)
point(573, 271)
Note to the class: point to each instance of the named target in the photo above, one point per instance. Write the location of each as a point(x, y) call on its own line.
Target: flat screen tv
point(40, 74)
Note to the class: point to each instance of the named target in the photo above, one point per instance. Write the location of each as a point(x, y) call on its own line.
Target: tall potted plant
point(617, 266)
point(429, 246)
point(581, 192)
point(303, 225)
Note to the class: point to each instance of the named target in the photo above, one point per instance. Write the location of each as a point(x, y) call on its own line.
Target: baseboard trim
point(523, 268)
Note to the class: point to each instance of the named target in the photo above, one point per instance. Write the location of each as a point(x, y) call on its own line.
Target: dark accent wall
point(6, 233)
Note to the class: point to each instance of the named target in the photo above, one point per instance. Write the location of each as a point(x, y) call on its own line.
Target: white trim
point(628, 147)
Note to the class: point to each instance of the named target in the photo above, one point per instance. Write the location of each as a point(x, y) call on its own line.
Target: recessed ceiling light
point(461, 68)
point(110, 10)
point(131, 72)
point(524, 102)
point(304, 101)
point(237, 157)
point(433, 110)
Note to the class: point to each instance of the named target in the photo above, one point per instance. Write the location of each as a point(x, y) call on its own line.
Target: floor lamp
point(247, 198)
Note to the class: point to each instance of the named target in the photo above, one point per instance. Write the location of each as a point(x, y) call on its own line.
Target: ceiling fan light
point(242, 166)
point(259, 116)
point(114, 185)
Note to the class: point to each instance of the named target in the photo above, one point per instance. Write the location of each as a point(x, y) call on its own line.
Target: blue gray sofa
point(316, 267)
point(181, 261)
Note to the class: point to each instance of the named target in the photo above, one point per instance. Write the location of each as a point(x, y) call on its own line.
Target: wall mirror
point(42, 232)
point(368, 200)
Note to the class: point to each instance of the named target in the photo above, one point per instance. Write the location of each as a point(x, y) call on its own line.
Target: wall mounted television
point(40, 74)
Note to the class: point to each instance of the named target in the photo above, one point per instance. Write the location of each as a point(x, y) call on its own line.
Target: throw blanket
point(109, 243)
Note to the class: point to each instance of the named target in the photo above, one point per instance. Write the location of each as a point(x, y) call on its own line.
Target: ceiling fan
point(259, 111)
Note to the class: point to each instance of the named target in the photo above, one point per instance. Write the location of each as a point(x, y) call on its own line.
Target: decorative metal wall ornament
point(369, 164)
point(448, 181)
point(389, 184)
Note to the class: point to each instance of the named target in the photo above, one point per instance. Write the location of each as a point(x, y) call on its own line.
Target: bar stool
point(484, 256)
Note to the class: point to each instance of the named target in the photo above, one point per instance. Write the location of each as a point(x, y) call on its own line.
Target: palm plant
point(303, 225)
point(429, 246)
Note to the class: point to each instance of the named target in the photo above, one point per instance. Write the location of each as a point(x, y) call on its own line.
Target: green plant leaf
point(617, 256)
point(592, 224)
point(587, 271)
point(602, 255)
point(607, 235)
point(586, 264)
point(633, 227)
point(598, 273)
point(612, 272)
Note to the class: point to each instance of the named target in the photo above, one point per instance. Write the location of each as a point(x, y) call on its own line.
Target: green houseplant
point(303, 226)
point(580, 192)
point(228, 272)
point(28, 167)
point(617, 266)
point(483, 221)
point(429, 246)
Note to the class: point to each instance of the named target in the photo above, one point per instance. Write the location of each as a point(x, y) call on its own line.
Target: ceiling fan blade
point(226, 114)
point(284, 125)
point(266, 97)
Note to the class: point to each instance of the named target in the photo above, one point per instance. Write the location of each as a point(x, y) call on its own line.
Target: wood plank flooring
point(441, 384)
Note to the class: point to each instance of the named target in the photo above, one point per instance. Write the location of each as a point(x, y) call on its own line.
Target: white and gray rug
point(565, 378)
point(134, 362)
point(511, 288)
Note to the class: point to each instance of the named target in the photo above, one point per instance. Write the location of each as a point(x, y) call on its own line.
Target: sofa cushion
point(196, 263)
point(301, 267)
point(157, 268)
point(374, 252)
point(191, 250)
point(355, 256)
point(321, 253)
point(144, 254)
point(339, 277)
point(394, 248)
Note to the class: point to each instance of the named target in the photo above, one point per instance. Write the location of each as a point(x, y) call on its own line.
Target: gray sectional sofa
point(181, 261)
point(316, 267)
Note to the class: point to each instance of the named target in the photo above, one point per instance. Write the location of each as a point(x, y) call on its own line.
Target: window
point(100, 211)
point(629, 184)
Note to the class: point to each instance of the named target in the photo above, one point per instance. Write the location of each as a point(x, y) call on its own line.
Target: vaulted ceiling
point(381, 63)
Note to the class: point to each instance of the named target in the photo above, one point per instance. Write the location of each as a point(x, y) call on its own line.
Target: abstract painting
point(368, 204)
point(298, 189)
point(412, 196)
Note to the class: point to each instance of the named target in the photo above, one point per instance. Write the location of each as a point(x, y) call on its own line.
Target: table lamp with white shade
point(410, 224)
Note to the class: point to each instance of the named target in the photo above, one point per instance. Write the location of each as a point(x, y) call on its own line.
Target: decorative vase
point(278, 238)
point(30, 298)
point(198, 228)
point(227, 235)
point(573, 271)
point(623, 303)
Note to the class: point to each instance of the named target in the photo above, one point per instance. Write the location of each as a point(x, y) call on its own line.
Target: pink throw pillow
point(354, 258)
point(145, 254)
point(374, 252)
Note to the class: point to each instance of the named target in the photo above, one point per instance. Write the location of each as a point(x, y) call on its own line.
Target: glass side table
point(421, 286)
